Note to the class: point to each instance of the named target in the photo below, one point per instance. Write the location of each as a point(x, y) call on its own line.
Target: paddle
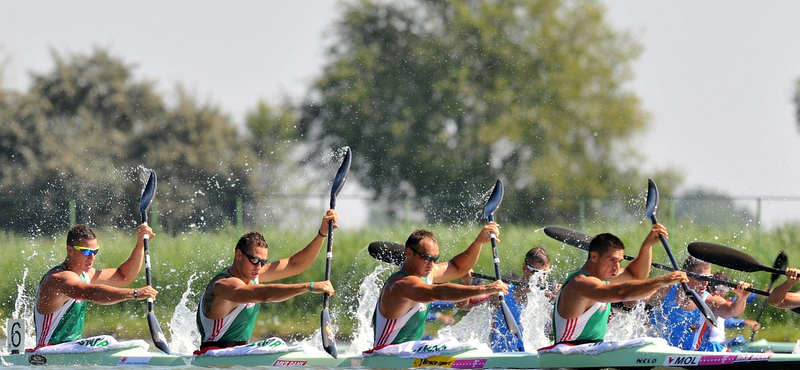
point(326, 331)
point(581, 240)
point(393, 253)
point(492, 204)
point(780, 263)
point(650, 208)
point(728, 257)
point(731, 258)
point(144, 207)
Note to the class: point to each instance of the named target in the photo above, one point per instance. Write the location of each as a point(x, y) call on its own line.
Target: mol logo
point(682, 360)
point(645, 361)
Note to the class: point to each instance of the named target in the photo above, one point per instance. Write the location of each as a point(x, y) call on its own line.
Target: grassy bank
point(177, 259)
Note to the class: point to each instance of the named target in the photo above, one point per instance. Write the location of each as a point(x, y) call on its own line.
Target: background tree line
point(436, 99)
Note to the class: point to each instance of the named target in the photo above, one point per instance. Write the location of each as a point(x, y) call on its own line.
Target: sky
point(716, 77)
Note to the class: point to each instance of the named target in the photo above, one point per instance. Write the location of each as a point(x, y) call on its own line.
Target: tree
point(66, 139)
point(439, 98)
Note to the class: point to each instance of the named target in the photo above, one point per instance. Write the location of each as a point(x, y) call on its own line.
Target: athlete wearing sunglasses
point(231, 300)
point(403, 304)
point(64, 291)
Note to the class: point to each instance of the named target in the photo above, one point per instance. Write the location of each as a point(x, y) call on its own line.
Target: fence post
point(239, 214)
point(671, 211)
point(72, 212)
point(758, 223)
point(582, 214)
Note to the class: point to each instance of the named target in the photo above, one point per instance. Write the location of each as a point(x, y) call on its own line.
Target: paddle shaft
point(147, 276)
point(511, 322)
point(329, 257)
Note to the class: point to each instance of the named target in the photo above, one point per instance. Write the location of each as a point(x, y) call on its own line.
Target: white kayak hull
point(122, 357)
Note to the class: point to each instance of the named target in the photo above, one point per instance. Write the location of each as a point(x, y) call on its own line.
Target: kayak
point(120, 357)
point(762, 345)
point(645, 355)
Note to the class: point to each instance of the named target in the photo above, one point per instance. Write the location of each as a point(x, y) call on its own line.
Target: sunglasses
point(255, 260)
point(535, 270)
point(425, 257)
point(86, 251)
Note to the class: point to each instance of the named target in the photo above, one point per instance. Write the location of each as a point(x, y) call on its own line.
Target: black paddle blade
point(780, 264)
point(341, 176)
point(651, 206)
point(328, 338)
point(494, 201)
point(387, 252)
point(148, 194)
point(726, 257)
point(155, 332)
point(569, 236)
point(701, 304)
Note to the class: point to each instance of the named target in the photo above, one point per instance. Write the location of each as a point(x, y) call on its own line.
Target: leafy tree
point(66, 141)
point(440, 98)
point(704, 207)
point(202, 167)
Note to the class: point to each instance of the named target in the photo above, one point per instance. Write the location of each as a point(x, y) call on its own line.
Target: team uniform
point(683, 329)
point(589, 327)
point(231, 330)
point(408, 327)
point(64, 325)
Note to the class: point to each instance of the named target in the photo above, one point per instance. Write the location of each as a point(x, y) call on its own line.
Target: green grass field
point(178, 258)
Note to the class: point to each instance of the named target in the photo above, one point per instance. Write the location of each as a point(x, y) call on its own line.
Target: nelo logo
point(645, 360)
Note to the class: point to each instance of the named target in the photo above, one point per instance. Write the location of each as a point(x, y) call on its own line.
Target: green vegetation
point(196, 256)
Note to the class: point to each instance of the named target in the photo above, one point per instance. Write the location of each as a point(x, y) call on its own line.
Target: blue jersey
point(683, 329)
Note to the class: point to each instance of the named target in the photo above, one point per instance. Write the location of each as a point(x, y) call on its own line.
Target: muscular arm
point(639, 268)
point(226, 293)
point(583, 291)
point(400, 295)
point(461, 264)
point(127, 271)
point(725, 309)
point(301, 260)
point(781, 297)
point(57, 288)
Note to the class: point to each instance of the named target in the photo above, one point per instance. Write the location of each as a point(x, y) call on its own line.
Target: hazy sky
point(716, 77)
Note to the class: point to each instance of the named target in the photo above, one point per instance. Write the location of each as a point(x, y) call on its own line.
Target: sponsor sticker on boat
point(133, 360)
point(734, 359)
point(440, 361)
point(289, 363)
point(682, 360)
point(451, 362)
point(37, 360)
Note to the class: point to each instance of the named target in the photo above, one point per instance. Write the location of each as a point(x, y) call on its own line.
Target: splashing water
point(23, 310)
point(627, 325)
point(367, 297)
point(537, 314)
point(184, 337)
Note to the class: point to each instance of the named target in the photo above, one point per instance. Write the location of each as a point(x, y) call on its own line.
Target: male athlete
point(228, 307)
point(62, 294)
point(403, 303)
point(582, 307)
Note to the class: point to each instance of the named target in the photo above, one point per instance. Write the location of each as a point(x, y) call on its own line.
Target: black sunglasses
point(425, 257)
point(255, 260)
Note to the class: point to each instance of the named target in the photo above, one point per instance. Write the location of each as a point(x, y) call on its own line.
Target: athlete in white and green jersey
point(62, 294)
point(601, 281)
point(228, 307)
point(407, 292)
